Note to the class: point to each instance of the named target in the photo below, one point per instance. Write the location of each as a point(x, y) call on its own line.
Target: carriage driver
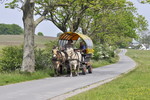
point(69, 44)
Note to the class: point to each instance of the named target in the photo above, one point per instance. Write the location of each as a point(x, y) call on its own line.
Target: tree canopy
point(106, 21)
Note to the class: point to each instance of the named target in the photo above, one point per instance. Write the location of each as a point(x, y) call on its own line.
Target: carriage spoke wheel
point(90, 69)
point(84, 70)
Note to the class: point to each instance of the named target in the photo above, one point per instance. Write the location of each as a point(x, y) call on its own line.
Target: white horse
point(74, 59)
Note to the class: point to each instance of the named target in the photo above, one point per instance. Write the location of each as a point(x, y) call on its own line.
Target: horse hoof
point(70, 75)
point(55, 75)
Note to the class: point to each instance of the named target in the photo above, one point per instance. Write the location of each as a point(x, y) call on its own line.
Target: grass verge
point(100, 63)
point(16, 77)
point(132, 86)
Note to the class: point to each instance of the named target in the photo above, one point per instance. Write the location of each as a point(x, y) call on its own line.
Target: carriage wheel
point(68, 70)
point(84, 70)
point(61, 69)
point(90, 69)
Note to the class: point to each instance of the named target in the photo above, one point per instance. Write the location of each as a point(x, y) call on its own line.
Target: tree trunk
point(28, 64)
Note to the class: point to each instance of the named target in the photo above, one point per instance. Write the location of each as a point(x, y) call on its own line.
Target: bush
point(11, 58)
point(42, 59)
point(103, 51)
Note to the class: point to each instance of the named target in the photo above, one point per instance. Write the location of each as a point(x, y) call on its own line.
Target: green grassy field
point(132, 86)
point(10, 40)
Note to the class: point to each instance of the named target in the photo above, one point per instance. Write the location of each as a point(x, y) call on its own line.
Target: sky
point(14, 16)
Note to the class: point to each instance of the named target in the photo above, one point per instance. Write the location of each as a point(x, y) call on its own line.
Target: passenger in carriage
point(83, 50)
point(82, 47)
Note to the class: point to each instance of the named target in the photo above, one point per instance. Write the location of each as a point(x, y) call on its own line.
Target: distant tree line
point(40, 34)
point(10, 29)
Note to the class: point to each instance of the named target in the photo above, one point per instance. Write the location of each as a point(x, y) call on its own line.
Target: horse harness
point(59, 57)
point(74, 59)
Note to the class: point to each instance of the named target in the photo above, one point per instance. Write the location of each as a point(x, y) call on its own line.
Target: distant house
point(135, 43)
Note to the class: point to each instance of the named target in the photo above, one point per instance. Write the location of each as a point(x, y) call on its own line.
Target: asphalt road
point(50, 87)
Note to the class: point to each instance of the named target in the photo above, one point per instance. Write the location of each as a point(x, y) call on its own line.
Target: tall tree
point(30, 24)
point(29, 30)
point(31, 8)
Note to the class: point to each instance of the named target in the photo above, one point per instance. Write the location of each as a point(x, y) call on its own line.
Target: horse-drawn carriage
point(72, 56)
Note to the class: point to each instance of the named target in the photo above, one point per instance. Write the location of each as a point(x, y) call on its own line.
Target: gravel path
point(59, 88)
